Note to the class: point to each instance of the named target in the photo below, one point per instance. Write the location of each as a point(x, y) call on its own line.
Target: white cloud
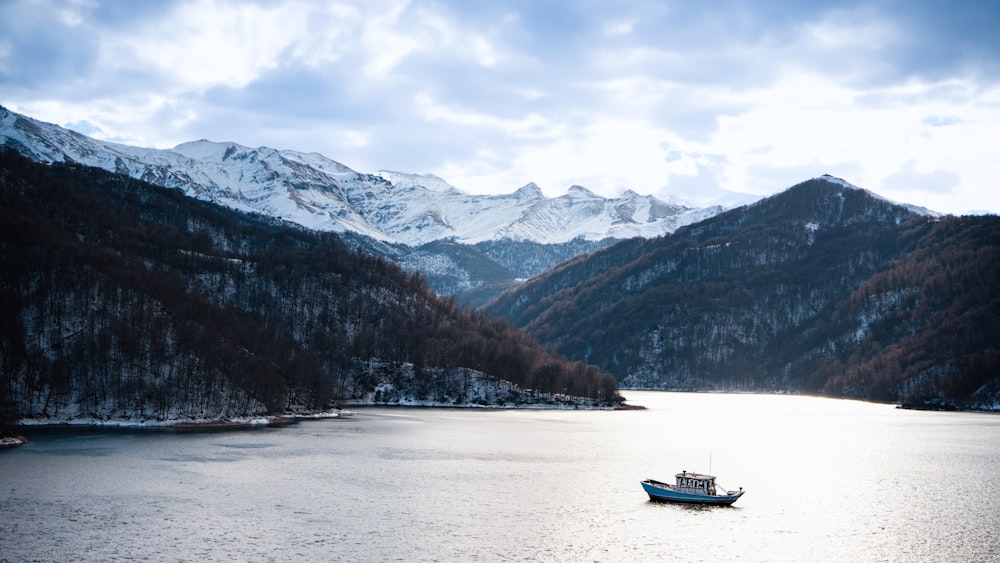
point(606, 154)
point(327, 33)
point(385, 42)
point(841, 30)
point(909, 178)
point(620, 27)
point(528, 127)
point(406, 30)
point(806, 119)
point(73, 12)
point(608, 96)
point(353, 139)
point(205, 44)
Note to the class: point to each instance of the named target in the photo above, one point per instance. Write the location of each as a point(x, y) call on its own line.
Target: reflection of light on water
point(841, 472)
point(825, 479)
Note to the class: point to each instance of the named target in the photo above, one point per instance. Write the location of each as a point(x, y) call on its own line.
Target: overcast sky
point(661, 97)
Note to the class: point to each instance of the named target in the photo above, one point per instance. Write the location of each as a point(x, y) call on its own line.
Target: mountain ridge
point(416, 220)
point(320, 193)
point(823, 288)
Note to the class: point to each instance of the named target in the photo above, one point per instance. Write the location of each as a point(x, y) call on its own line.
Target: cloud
point(85, 127)
point(940, 121)
point(632, 94)
point(205, 44)
point(701, 183)
point(908, 179)
point(45, 45)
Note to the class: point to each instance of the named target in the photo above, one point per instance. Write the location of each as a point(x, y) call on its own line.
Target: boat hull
point(662, 492)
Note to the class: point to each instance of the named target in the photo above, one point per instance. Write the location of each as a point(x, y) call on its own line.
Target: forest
point(819, 289)
point(120, 299)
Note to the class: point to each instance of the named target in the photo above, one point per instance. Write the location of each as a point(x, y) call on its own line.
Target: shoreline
point(276, 421)
point(12, 441)
point(238, 423)
point(176, 424)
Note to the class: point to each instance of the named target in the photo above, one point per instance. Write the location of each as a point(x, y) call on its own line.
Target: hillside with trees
point(824, 288)
point(120, 299)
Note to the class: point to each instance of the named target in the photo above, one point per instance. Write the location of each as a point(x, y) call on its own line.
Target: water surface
point(825, 480)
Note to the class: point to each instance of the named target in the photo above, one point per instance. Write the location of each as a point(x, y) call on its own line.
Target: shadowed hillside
point(824, 288)
point(125, 300)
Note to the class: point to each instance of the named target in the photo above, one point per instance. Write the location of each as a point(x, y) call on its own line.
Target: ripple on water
point(824, 479)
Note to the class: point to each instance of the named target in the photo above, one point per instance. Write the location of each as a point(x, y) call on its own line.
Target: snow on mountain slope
point(847, 185)
point(317, 192)
point(429, 181)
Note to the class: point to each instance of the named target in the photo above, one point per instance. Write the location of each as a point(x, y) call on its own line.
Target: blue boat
point(694, 488)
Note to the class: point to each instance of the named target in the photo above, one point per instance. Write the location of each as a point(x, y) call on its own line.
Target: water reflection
point(825, 480)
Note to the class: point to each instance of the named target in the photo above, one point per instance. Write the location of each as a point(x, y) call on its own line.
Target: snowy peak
point(821, 203)
point(429, 181)
point(580, 192)
point(845, 185)
point(837, 181)
point(529, 191)
point(320, 193)
point(208, 150)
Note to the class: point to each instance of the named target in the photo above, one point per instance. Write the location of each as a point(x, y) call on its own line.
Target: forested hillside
point(119, 299)
point(824, 288)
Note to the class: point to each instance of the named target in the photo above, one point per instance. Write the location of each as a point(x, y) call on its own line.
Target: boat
point(694, 488)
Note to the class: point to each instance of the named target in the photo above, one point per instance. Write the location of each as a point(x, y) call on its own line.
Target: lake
point(825, 480)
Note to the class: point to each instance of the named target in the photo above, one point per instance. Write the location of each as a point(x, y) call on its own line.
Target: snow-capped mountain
point(317, 192)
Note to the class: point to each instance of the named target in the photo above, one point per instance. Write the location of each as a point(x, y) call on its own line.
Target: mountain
point(823, 288)
point(124, 300)
point(403, 212)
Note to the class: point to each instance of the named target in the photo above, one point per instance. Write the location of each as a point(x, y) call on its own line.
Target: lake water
point(825, 480)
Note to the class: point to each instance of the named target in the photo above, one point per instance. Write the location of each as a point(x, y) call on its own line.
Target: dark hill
point(824, 288)
point(119, 299)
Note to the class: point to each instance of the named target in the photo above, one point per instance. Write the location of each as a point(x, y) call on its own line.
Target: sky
point(686, 98)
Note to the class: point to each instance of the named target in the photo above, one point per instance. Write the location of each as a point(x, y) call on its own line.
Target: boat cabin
point(695, 483)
